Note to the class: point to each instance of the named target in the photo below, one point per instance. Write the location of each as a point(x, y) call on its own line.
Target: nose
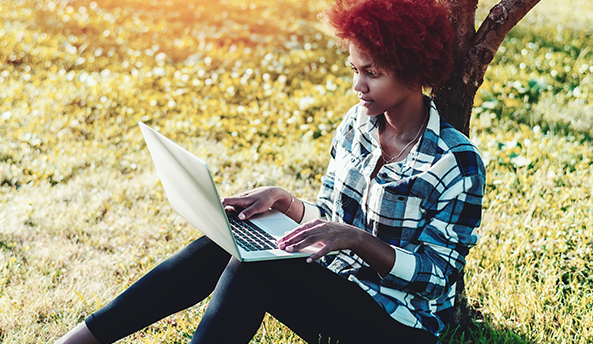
point(359, 83)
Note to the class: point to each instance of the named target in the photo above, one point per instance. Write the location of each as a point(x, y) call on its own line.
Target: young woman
point(400, 201)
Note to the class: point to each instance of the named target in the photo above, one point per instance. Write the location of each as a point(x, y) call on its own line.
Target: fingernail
point(241, 216)
point(309, 260)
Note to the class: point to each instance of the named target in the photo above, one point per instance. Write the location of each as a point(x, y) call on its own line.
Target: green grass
point(83, 215)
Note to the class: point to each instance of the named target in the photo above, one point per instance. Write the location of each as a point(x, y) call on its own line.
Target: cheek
point(380, 88)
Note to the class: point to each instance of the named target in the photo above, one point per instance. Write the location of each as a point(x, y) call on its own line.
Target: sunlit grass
point(83, 215)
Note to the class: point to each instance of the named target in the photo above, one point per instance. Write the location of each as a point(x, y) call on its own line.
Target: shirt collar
point(369, 126)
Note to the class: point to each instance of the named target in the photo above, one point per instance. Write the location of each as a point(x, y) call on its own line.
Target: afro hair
point(409, 38)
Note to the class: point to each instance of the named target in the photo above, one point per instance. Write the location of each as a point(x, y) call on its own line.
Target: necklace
point(395, 158)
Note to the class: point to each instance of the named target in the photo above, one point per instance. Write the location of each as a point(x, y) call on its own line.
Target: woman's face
point(378, 92)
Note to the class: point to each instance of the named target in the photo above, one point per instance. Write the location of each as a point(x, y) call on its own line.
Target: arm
point(433, 265)
point(337, 236)
point(261, 199)
point(329, 230)
point(427, 268)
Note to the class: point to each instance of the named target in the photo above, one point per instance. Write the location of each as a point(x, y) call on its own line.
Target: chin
point(371, 113)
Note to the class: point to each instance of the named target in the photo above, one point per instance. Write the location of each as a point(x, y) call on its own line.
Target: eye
point(354, 69)
point(373, 74)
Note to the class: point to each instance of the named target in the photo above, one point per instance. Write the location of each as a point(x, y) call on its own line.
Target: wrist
point(358, 237)
point(377, 253)
point(284, 201)
point(289, 205)
point(287, 211)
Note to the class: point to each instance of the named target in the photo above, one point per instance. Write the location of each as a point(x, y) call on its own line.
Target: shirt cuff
point(311, 212)
point(404, 266)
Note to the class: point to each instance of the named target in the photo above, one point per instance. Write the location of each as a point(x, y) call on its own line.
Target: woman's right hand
point(259, 200)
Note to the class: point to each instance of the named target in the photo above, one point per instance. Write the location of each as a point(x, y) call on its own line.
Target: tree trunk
point(473, 52)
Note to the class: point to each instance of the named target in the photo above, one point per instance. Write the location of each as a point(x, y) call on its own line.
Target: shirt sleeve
point(430, 268)
point(325, 198)
point(312, 212)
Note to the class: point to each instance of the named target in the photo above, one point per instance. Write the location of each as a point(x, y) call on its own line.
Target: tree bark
point(473, 52)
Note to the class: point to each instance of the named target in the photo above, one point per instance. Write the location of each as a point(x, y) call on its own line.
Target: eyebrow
point(370, 65)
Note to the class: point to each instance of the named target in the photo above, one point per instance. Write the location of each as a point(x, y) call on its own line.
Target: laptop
point(192, 194)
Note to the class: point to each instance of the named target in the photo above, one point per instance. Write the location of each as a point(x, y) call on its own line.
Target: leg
point(78, 335)
point(237, 305)
point(177, 283)
point(322, 307)
point(314, 302)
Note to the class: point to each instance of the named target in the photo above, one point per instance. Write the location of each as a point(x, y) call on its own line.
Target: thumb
point(250, 210)
point(322, 252)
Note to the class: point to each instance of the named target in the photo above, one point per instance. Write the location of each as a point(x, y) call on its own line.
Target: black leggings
point(313, 301)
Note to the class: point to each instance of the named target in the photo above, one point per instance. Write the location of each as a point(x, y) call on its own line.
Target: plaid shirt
point(427, 207)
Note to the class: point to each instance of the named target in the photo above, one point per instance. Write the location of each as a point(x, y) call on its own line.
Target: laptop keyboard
point(249, 236)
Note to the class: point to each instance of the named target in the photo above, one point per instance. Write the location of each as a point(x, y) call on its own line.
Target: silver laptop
point(191, 191)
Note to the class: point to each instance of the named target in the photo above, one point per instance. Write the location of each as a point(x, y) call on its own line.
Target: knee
point(249, 273)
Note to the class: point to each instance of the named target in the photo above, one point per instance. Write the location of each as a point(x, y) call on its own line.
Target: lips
point(365, 101)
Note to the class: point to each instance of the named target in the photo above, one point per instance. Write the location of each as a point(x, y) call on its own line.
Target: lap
point(315, 302)
point(308, 298)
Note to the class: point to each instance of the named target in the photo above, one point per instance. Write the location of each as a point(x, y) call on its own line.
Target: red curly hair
point(409, 38)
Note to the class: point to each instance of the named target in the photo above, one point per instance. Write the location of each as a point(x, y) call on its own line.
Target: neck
point(404, 121)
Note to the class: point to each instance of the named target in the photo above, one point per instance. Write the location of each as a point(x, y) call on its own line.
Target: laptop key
point(250, 237)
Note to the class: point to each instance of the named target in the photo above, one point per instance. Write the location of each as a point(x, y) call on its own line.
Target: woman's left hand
point(332, 235)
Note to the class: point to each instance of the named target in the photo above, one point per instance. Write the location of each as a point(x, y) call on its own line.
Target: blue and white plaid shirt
point(427, 207)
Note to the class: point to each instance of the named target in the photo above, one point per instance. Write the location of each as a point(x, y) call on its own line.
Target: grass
point(82, 213)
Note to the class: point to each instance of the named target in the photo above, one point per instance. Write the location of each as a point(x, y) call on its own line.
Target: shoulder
point(465, 151)
point(448, 141)
point(354, 125)
point(354, 118)
point(452, 138)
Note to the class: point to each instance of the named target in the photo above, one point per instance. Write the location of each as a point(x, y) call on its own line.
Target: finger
point(245, 206)
point(307, 226)
point(296, 235)
point(308, 240)
point(230, 209)
point(238, 201)
point(322, 252)
point(254, 208)
point(292, 233)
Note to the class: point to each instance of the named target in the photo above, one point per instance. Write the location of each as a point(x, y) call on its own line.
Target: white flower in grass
point(520, 161)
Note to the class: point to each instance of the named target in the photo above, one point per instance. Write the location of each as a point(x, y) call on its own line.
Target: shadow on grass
point(482, 333)
point(276, 332)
